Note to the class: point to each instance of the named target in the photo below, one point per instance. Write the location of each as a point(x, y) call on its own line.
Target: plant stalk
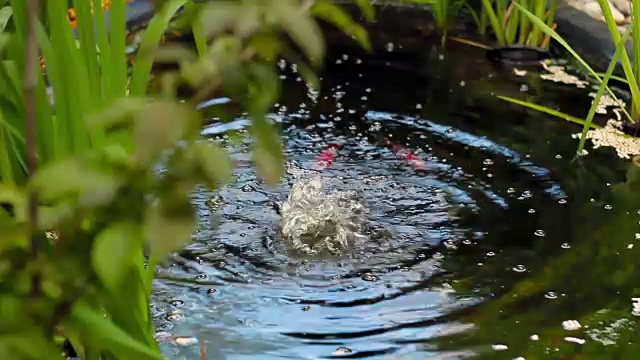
point(30, 86)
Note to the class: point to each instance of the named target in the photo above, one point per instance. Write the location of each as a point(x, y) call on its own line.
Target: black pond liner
point(517, 55)
point(631, 129)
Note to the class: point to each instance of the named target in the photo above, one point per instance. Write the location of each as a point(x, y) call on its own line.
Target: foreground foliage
point(81, 237)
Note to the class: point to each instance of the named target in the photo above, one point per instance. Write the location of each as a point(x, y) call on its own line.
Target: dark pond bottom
point(486, 251)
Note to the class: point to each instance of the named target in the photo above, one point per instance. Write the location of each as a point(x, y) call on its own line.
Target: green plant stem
point(30, 84)
point(601, 90)
point(624, 57)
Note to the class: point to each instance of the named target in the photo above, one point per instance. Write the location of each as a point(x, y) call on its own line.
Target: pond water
point(486, 251)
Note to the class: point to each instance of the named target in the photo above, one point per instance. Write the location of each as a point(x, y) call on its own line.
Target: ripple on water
point(376, 297)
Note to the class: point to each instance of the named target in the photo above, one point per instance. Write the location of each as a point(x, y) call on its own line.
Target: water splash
point(317, 221)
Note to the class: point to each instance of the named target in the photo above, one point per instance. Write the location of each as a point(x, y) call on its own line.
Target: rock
point(624, 6)
point(589, 37)
point(592, 8)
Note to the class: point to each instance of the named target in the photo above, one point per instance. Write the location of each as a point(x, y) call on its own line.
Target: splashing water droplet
point(342, 351)
point(532, 211)
point(539, 233)
point(551, 295)
point(565, 246)
point(488, 162)
point(608, 207)
point(370, 277)
point(562, 201)
point(491, 253)
point(519, 268)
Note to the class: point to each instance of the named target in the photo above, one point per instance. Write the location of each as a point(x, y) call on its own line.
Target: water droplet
point(608, 207)
point(491, 253)
point(534, 337)
point(519, 268)
point(532, 211)
point(539, 233)
point(558, 156)
point(306, 308)
point(511, 190)
point(562, 201)
point(201, 277)
point(466, 242)
point(211, 291)
point(185, 341)
point(175, 316)
point(551, 295)
point(565, 246)
point(499, 347)
point(342, 351)
point(370, 277)
point(488, 162)
point(177, 302)
point(248, 188)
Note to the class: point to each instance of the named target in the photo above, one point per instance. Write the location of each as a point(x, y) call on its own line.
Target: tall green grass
point(85, 74)
point(510, 26)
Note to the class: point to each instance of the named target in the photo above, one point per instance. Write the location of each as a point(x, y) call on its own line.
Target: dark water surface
point(487, 252)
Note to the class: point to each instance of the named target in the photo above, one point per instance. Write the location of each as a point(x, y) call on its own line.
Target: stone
point(624, 6)
point(592, 8)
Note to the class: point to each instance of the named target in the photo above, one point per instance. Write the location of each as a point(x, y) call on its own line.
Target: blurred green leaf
point(330, 12)
point(27, 344)
point(106, 335)
point(113, 254)
point(214, 161)
point(301, 28)
point(84, 181)
point(218, 15)
point(167, 231)
point(267, 150)
point(366, 6)
point(159, 126)
point(5, 16)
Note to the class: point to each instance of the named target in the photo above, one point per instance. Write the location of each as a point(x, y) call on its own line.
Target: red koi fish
point(409, 157)
point(326, 157)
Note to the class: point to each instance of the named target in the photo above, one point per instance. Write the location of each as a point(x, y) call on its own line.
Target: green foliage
point(511, 27)
point(620, 52)
point(110, 214)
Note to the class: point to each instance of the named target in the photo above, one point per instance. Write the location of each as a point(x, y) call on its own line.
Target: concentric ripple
point(249, 295)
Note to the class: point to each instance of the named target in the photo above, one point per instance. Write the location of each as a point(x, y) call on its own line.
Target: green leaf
point(112, 253)
point(104, 334)
point(267, 150)
point(366, 6)
point(332, 13)
point(17, 199)
point(89, 184)
point(5, 16)
point(547, 110)
point(159, 127)
point(301, 27)
point(214, 162)
point(28, 345)
point(167, 231)
point(218, 15)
